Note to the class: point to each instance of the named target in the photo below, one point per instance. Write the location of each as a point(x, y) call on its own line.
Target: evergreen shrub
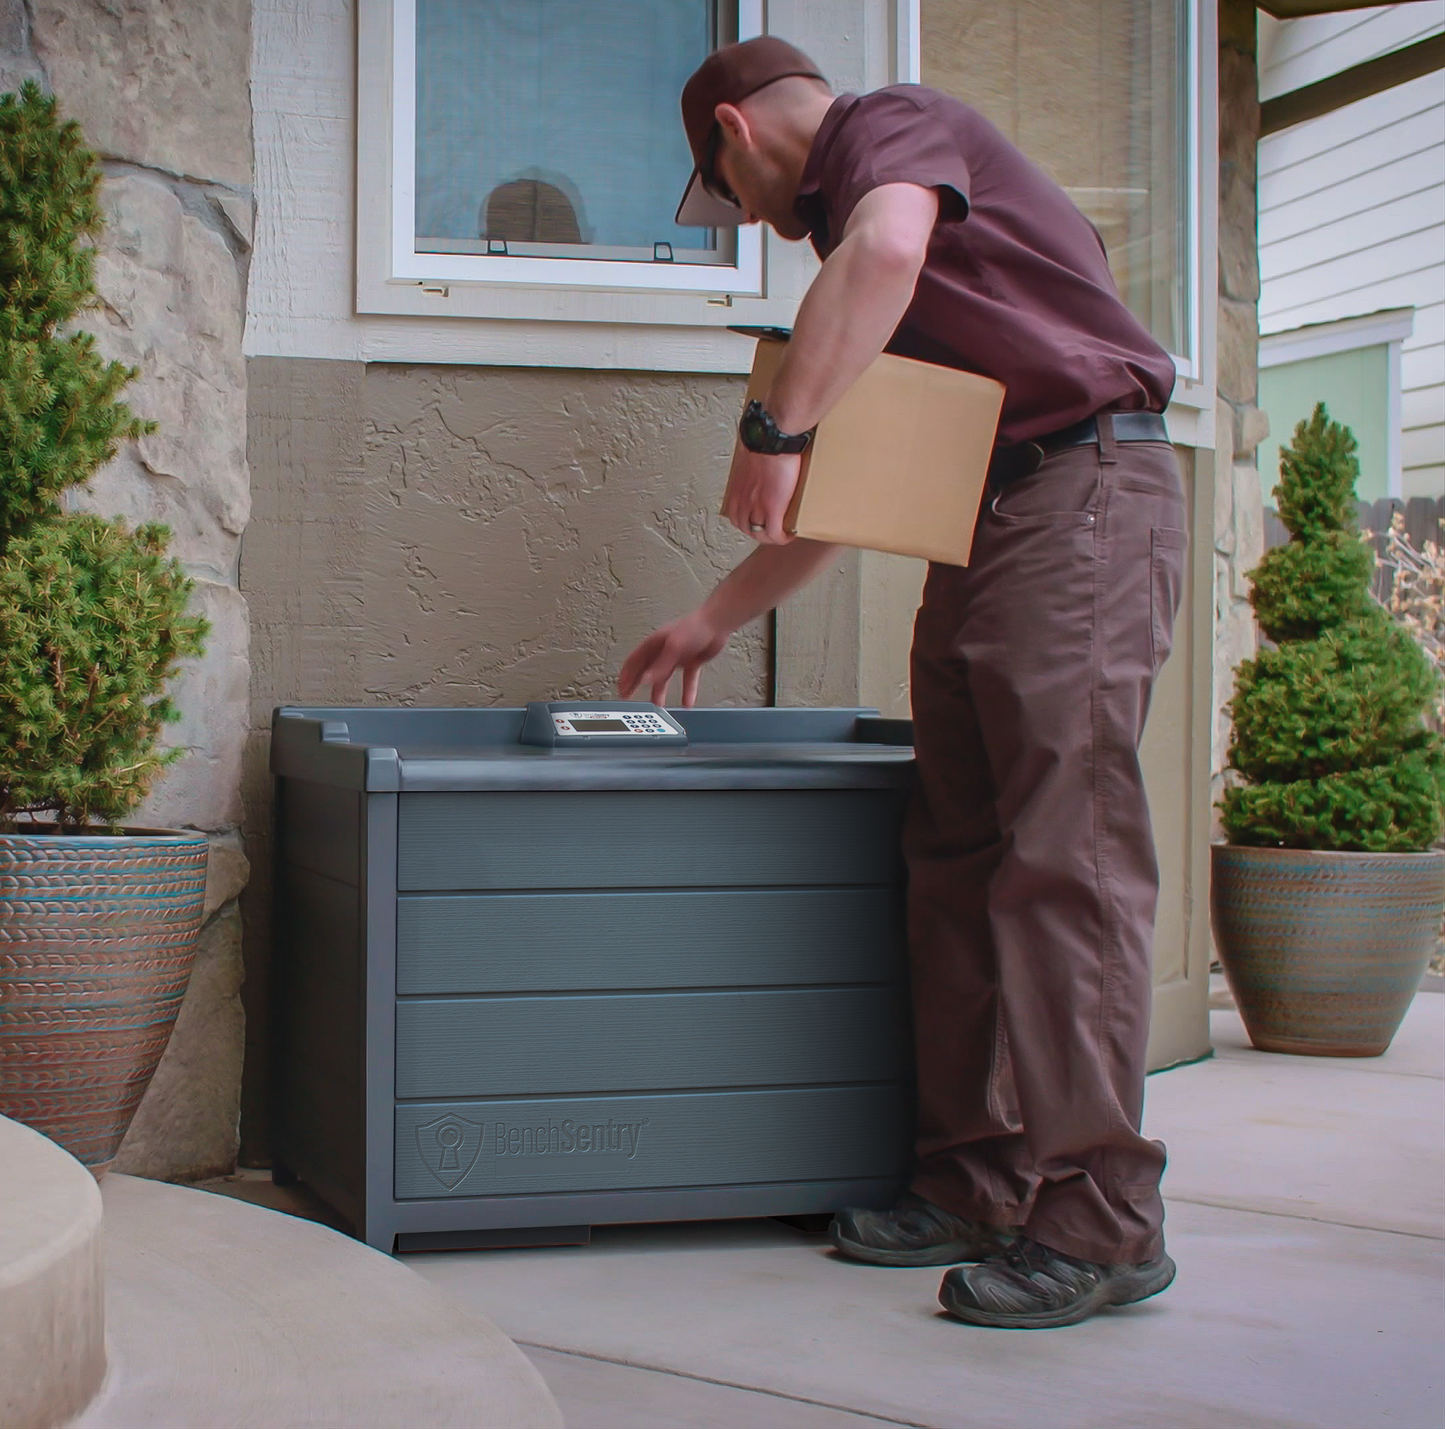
point(93, 615)
point(1331, 749)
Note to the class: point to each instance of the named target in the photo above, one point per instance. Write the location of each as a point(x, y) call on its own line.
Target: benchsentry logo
point(568, 1137)
point(451, 1145)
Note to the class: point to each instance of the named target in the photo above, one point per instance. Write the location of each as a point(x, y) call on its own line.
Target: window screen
point(551, 128)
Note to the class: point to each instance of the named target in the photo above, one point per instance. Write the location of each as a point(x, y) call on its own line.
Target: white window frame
point(761, 285)
point(1191, 365)
point(1192, 407)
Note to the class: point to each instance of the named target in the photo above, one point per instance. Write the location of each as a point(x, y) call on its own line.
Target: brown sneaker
point(913, 1232)
point(1031, 1287)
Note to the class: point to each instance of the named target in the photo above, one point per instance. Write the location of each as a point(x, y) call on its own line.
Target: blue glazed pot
point(98, 934)
point(1324, 951)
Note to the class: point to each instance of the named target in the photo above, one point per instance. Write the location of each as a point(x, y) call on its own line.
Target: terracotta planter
point(1324, 951)
point(97, 938)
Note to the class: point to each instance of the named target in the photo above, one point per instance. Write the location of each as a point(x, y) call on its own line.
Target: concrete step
point(230, 1316)
point(52, 1303)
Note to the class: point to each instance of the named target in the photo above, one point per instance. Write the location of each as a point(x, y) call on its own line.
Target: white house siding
point(1352, 207)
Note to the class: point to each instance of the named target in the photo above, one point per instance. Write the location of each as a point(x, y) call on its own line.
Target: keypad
point(642, 722)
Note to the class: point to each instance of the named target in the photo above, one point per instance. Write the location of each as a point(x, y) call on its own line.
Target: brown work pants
point(1032, 874)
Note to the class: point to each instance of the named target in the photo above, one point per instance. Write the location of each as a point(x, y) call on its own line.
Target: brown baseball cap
point(728, 76)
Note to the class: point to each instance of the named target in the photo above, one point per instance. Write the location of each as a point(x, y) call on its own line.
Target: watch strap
point(760, 433)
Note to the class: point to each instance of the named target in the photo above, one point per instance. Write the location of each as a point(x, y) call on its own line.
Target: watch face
point(754, 429)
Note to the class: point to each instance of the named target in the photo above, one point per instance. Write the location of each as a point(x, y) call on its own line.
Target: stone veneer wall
point(1240, 425)
point(161, 89)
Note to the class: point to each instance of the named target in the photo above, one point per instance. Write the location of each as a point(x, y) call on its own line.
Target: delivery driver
point(1032, 875)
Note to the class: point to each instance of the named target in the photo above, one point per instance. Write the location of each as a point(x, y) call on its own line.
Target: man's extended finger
point(691, 675)
point(632, 671)
point(634, 667)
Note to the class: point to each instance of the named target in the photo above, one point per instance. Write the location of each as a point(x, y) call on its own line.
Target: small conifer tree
point(1329, 718)
point(92, 615)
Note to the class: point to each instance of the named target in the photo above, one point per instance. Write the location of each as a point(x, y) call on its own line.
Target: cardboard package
point(900, 463)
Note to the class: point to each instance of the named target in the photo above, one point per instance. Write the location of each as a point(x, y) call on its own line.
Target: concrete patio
point(1307, 1212)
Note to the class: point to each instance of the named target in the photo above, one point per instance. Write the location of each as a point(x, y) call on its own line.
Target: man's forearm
point(765, 579)
point(853, 306)
point(843, 323)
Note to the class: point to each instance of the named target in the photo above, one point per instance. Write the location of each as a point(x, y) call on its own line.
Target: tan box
point(900, 463)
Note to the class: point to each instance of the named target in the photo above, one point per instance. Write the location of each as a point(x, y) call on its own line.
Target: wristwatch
point(758, 432)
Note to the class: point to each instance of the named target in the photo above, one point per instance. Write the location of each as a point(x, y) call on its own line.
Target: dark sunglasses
point(707, 170)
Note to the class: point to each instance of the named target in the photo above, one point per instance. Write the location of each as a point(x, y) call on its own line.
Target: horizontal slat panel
point(1421, 446)
point(1425, 365)
point(695, 1139)
point(521, 1046)
point(624, 839)
point(1281, 181)
point(1344, 196)
point(1389, 256)
point(559, 942)
point(1366, 288)
point(1342, 236)
point(1391, 115)
point(1423, 407)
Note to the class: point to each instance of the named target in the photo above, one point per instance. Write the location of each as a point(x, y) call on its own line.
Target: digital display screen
point(599, 726)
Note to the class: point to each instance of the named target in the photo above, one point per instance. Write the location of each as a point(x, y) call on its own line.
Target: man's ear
point(734, 124)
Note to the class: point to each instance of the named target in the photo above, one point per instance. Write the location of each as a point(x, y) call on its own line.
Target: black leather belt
point(1010, 463)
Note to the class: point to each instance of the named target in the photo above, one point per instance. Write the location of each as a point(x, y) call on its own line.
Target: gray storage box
point(523, 988)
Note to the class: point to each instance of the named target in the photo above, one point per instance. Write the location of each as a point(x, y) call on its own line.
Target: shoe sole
point(954, 1252)
point(1122, 1290)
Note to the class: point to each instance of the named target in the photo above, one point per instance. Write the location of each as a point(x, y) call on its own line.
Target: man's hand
point(759, 491)
point(768, 576)
point(687, 644)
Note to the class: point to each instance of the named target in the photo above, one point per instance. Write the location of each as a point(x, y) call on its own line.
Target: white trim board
point(1321, 339)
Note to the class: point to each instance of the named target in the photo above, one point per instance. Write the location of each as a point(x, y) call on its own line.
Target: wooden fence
point(1423, 515)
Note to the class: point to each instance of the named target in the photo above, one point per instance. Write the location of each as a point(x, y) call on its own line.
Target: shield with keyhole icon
point(449, 1147)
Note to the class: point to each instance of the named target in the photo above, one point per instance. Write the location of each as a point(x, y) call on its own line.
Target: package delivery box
point(900, 463)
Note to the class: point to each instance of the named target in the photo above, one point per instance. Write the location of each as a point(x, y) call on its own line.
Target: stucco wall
point(434, 535)
point(161, 91)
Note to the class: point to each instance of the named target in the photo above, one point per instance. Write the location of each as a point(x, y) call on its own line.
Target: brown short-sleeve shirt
point(1016, 284)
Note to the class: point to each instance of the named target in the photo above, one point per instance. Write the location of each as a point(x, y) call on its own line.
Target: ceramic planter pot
point(1324, 951)
point(97, 938)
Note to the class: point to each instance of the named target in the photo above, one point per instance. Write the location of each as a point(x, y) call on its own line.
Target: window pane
point(1097, 93)
point(556, 122)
